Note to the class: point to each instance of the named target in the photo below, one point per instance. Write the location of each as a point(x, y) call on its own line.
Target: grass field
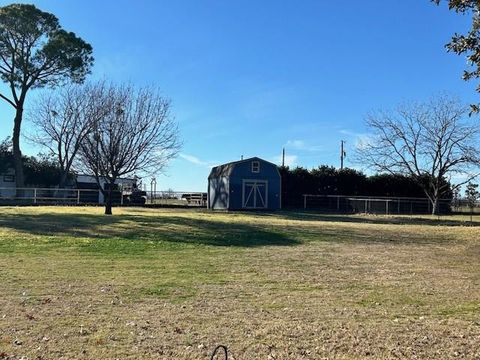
point(172, 284)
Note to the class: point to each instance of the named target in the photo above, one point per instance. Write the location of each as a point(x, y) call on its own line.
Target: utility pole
point(153, 189)
point(283, 157)
point(343, 154)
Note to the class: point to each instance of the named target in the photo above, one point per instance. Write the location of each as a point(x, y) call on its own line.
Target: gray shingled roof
point(226, 169)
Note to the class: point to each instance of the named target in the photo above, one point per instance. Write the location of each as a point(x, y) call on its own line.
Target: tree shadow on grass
point(372, 219)
point(164, 228)
point(177, 229)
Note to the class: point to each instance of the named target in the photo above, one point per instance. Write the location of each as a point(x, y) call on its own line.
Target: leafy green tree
point(456, 199)
point(467, 44)
point(327, 180)
point(6, 158)
point(36, 52)
point(41, 170)
point(472, 195)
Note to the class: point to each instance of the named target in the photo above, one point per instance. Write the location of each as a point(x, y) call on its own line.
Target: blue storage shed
point(246, 184)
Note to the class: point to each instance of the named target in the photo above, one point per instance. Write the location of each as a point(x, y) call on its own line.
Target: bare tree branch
point(62, 119)
point(429, 142)
point(136, 135)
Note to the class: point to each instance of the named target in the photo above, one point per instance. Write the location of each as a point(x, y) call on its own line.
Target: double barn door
point(255, 194)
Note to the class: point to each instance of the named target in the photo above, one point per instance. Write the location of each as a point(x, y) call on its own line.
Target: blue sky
point(250, 77)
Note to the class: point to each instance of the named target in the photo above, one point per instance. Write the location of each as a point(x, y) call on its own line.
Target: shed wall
point(218, 193)
point(226, 184)
point(243, 171)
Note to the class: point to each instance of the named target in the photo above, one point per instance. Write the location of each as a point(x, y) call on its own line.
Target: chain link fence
point(373, 205)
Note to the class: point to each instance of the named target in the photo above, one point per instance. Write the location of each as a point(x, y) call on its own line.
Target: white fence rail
point(51, 196)
point(176, 198)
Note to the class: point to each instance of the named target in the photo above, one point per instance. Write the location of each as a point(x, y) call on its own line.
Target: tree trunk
point(63, 180)
point(435, 205)
point(108, 202)
point(60, 193)
point(108, 207)
point(17, 154)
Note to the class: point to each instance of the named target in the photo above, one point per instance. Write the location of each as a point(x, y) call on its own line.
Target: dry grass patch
point(174, 283)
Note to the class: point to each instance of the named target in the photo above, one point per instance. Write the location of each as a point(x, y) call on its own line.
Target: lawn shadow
point(371, 219)
point(211, 232)
point(133, 227)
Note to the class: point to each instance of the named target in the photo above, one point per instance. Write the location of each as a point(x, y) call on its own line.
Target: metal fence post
point(78, 196)
point(304, 202)
point(35, 195)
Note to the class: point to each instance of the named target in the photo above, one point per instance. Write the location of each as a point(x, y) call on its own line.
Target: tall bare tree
point(62, 119)
point(137, 135)
point(431, 142)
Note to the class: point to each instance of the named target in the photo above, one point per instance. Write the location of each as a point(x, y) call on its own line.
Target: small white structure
point(7, 183)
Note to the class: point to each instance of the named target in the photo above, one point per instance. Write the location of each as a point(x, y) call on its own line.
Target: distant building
point(7, 183)
point(246, 184)
point(87, 183)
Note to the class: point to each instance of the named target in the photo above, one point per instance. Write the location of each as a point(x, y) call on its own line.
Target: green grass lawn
point(173, 284)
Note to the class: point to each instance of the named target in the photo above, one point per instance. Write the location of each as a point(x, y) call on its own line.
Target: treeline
point(41, 170)
point(327, 180)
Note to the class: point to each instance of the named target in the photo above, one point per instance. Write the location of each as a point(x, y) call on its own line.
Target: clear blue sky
point(250, 77)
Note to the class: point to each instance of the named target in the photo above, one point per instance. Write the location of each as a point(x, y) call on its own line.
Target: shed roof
point(226, 169)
